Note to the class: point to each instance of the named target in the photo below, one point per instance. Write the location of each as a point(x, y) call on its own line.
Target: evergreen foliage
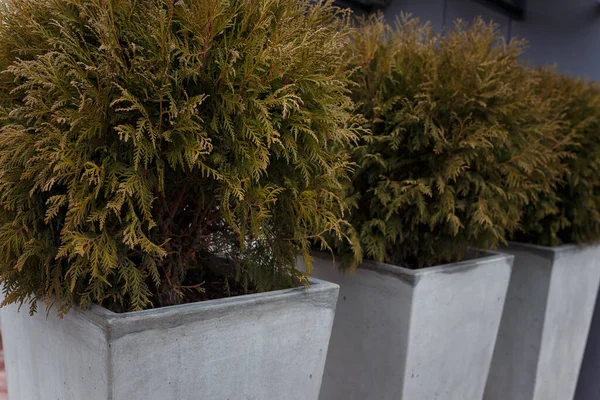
point(571, 214)
point(147, 142)
point(459, 141)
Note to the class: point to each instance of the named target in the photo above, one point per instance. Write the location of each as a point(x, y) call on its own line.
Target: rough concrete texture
point(413, 334)
point(3, 390)
point(256, 347)
point(545, 322)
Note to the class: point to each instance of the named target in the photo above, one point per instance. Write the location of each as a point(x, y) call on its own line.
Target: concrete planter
point(262, 346)
point(414, 334)
point(545, 322)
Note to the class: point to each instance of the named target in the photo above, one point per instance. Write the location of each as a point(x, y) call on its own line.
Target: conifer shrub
point(459, 141)
point(571, 213)
point(154, 152)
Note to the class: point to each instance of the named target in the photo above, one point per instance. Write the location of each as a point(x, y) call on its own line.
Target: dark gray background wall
point(561, 32)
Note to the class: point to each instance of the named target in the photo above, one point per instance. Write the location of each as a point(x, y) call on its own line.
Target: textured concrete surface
point(545, 322)
point(3, 390)
point(55, 359)
point(262, 346)
point(413, 334)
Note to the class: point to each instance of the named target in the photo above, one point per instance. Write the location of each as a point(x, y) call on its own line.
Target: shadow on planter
point(413, 334)
point(588, 386)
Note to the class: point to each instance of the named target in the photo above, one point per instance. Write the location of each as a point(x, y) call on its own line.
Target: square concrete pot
point(414, 334)
point(545, 322)
point(264, 346)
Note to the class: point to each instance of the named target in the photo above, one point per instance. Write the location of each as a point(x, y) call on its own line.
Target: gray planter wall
point(264, 347)
point(545, 322)
point(413, 334)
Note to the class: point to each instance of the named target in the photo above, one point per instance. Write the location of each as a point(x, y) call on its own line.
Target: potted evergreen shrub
point(455, 149)
point(156, 153)
point(553, 286)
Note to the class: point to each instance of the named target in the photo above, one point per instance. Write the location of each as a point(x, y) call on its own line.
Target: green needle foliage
point(150, 146)
point(459, 141)
point(571, 214)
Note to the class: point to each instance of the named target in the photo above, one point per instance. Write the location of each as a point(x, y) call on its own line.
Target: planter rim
point(412, 276)
point(550, 251)
point(171, 316)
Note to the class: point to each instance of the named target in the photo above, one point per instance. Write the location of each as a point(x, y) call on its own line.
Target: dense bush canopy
point(459, 140)
point(571, 214)
point(150, 148)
